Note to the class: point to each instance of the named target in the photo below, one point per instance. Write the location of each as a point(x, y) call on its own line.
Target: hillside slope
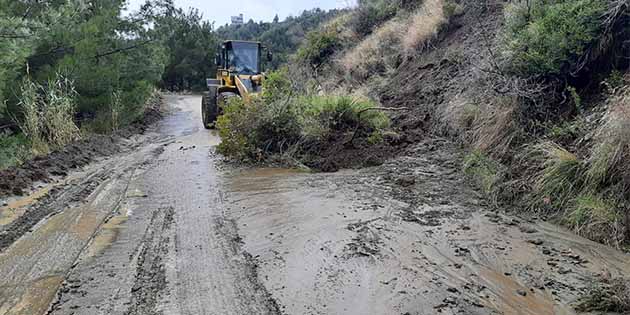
point(542, 114)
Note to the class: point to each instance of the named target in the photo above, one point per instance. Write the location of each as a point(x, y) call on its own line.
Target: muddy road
point(166, 227)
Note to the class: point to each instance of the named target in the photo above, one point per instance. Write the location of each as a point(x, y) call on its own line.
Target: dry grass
point(607, 295)
point(31, 124)
point(496, 128)
point(58, 112)
point(490, 128)
point(559, 179)
point(115, 109)
point(424, 26)
point(609, 162)
point(48, 114)
point(458, 116)
point(404, 35)
point(377, 53)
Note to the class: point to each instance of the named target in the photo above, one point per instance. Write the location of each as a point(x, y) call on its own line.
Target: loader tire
point(209, 109)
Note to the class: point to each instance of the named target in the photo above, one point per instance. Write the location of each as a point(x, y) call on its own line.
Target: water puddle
point(16, 208)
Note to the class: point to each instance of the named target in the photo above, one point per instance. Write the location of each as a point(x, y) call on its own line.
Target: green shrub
point(319, 46)
point(370, 14)
point(548, 37)
point(14, 150)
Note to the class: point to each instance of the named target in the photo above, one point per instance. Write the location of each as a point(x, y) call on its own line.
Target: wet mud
point(407, 237)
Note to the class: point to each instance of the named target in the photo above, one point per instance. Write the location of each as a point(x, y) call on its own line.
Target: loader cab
point(241, 57)
point(239, 74)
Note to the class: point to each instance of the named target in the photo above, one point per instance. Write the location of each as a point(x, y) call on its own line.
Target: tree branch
point(119, 50)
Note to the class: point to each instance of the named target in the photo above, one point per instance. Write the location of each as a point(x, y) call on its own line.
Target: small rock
point(546, 251)
point(521, 292)
point(536, 242)
point(457, 266)
point(443, 305)
point(528, 229)
point(513, 222)
point(406, 181)
point(564, 271)
point(449, 300)
point(452, 290)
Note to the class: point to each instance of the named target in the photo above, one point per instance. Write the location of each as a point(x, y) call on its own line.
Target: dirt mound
point(341, 153)
point(15, 180)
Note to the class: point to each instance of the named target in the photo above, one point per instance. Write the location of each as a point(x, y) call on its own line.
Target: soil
point(16, 180)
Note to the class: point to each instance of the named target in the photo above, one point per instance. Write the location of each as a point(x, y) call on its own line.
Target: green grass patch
point(560, 177)
point(486, 173)
point(14, 150)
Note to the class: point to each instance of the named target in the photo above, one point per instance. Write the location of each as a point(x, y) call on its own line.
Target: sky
point(220, 11)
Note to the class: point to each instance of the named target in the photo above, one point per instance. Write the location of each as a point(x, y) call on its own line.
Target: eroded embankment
point(15, 181)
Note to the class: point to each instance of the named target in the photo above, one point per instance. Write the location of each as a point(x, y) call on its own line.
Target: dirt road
point(166, 227)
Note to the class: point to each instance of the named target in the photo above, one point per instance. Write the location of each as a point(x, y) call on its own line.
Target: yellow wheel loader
point(239, 74)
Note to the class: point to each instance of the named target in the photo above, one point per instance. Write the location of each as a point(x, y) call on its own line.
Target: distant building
point(237, 20)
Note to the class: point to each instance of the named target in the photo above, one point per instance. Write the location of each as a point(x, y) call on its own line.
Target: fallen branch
point(380, 108)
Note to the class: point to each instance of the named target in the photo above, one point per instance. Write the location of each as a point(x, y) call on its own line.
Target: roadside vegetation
point(72, 68)
point(297, 128)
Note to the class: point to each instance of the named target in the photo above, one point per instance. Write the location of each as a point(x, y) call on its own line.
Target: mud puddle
point(406, 238)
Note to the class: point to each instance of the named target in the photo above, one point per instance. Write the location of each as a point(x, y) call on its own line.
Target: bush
point(319, 46)
point(371, 14)
point(548, 37)
point(329, 115)
point(278, 123)
point(14, 149)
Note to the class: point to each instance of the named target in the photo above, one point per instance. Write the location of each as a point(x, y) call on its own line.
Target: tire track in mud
point(56, 201)
point(248, 266)
point(150, 280)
